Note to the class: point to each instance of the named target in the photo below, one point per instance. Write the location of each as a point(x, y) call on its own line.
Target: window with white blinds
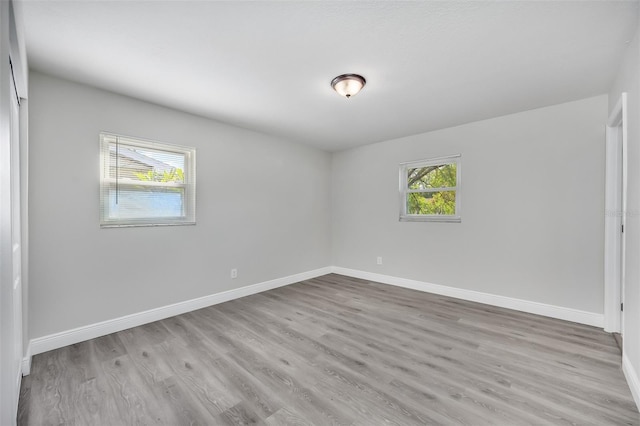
point(145, 183)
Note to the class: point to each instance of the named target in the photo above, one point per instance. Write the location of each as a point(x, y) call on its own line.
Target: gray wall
point(628, 80)
point(532, 207)
point(262, 207)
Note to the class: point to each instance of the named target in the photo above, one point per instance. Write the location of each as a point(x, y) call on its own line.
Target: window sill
point(450, 219)
point(136, 225)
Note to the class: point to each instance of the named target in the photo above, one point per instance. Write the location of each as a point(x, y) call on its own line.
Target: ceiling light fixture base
point(348, 85)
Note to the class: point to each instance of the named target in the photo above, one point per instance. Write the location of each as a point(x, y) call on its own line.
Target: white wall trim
point(632, 378)
point(615, 215)
point(26, 361)
point(559, 312)
point(91, 331)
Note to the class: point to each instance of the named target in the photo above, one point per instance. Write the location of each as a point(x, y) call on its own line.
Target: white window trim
point(404, 167)
point(189, 185)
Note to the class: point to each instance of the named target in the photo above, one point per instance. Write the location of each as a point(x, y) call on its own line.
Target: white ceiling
point(267, 65)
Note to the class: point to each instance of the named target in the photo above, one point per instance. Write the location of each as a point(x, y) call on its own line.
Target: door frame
point(12, 155)
point(615, 216)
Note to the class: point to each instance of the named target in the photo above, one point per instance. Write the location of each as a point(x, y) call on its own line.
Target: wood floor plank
point(24, 400)
point(255, 393)
point(194, 373)
point(185, 410)
point(403, 365)
point(240, 414)
point(287, 417)
point(295, 389)
point(132, 406)
point(336, 350)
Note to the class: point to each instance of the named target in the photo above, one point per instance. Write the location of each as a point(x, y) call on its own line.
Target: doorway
point(10, 261)
point(615, 217)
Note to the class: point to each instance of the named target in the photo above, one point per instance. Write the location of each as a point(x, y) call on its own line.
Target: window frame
point(404, 190)
point(189, 184)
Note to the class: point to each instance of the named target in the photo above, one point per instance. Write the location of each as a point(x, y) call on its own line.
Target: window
point(145, 183)
point(430, 190)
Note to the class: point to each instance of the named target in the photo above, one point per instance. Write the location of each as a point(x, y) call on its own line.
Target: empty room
point(319, 212)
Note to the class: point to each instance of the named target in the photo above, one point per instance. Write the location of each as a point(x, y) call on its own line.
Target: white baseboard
point(632, 378)
point(568, 314)
point(26, 361)
point(91, 331)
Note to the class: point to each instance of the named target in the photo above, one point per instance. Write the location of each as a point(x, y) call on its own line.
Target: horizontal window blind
point(145, 183)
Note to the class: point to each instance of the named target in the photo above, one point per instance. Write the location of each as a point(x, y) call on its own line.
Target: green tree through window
point(430, 190)
point(432, 177)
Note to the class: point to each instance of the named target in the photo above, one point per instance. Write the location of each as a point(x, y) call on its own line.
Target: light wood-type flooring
point(336, 350)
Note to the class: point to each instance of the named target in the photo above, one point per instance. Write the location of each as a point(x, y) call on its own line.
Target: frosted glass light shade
point(348, 85)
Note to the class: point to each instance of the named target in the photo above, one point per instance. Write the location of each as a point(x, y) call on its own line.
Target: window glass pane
point(441, 202)
point(436, 176)
point(143, 203)
point(145, 165)
point(145, 183)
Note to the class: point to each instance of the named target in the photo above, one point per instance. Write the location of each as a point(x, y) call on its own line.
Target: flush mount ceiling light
point(348, 85)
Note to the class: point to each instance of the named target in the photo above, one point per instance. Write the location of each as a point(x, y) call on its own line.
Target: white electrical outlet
point(379, 260)
point(234, 273)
